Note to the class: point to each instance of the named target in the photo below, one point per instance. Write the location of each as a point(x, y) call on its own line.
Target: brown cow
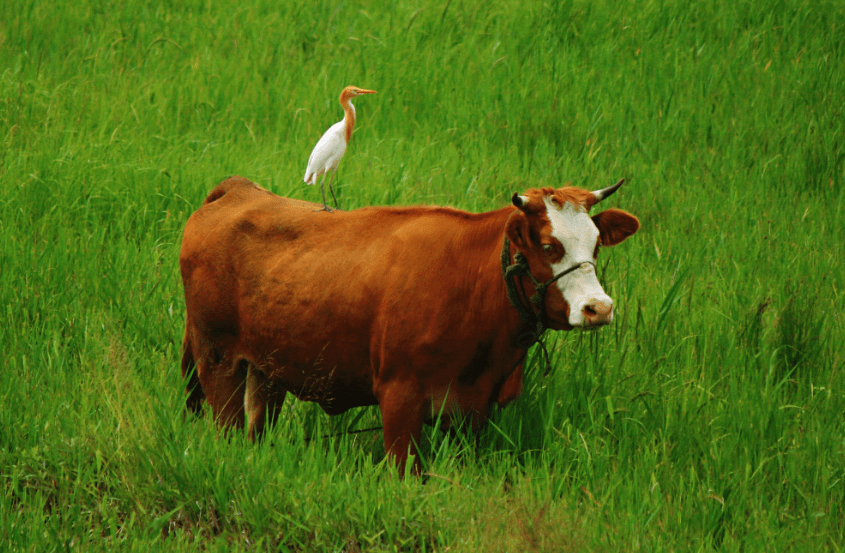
point(404, 307)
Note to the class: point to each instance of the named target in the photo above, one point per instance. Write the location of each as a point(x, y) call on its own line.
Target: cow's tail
point(189, 372)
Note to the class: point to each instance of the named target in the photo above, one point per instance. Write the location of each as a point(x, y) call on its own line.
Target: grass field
point(709, 416)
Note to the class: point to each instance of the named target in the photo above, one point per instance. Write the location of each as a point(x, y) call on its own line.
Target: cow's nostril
point(597, 313)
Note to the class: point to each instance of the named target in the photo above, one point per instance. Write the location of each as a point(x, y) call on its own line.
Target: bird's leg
point(332, 189)
point(323, 190)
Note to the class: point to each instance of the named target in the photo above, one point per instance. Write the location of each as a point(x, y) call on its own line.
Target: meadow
point(709, 416)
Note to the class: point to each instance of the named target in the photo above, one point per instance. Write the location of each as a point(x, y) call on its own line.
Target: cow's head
point(554, 231)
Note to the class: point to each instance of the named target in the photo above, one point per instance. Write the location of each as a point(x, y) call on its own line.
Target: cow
point(404, 307)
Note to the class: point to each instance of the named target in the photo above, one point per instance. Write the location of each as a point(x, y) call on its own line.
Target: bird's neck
point(348, 118)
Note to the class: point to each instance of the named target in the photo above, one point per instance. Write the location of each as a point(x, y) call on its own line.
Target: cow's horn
point(519, 201)
point(605, 192)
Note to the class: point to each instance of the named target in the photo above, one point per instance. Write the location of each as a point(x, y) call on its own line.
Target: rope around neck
point(530, 318)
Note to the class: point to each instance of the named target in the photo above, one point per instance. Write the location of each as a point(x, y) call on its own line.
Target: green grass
point(708, 416)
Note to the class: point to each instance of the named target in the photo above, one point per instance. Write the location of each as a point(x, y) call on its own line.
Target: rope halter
point(532, 314)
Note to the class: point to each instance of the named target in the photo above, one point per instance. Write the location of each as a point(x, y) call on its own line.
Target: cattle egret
point(332, 145)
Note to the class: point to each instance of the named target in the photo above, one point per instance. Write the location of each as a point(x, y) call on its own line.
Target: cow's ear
point(518, 230)
point(615, 226)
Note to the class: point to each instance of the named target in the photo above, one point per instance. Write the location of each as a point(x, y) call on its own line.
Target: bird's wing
point(327, 153)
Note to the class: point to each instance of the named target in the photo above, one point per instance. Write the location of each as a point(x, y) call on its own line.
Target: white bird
point(332, 145)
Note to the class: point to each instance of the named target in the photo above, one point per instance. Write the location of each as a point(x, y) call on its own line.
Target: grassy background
point(708, 416)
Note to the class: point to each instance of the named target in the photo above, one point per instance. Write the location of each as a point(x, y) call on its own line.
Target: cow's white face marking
point(575, 230)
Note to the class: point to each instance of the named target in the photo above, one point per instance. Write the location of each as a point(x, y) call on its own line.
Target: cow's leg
point(189, 370)
point(262, 402)
point(224, 382)
point(401, 417)
point(195, 394)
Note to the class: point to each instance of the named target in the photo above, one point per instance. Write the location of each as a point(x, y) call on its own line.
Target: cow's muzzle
point(597, 313)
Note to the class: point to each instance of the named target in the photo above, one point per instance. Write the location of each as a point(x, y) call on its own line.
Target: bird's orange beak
point(363, 91)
